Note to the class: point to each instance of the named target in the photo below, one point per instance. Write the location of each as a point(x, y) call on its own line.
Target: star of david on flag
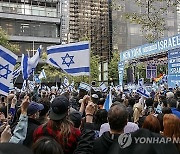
point(72, 58)
point(28, 64)
point(66, 61)
point(7, 63)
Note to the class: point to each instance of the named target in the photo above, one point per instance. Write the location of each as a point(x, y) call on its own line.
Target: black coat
point(103, 143)
point(32, 125)
point(146, 148)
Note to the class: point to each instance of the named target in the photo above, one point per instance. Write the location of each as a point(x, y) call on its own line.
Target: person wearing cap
point(59, 126)
point(33, 115)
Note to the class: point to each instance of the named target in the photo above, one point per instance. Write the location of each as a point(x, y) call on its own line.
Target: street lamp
point(134, 71)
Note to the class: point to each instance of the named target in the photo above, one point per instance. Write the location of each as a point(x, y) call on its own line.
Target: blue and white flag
point(108, 101)
point(42, 74)
point(165, 78)
point(16, 72)
point(103, 87)
point(71, 88)
point(158, 109)
point(24, 86)
point(28, 64)
point(31, 85)
point(66, 82)
point(36, 78)
point(85, 86)
point(7, 63)
point(73, 58)
point(141, 89)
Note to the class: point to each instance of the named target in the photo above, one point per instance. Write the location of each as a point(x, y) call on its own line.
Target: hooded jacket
point(103, 143)
point(144, 147)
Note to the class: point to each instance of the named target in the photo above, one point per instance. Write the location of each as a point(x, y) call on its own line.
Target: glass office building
point(30, 23)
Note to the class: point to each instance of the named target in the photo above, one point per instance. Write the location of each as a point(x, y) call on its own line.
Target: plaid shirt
point(46, 130)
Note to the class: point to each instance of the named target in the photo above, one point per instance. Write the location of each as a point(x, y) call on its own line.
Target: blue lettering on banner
point(150, 49)
point(174, 68)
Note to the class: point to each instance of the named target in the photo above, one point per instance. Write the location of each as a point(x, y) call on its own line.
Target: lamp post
point(134, 72)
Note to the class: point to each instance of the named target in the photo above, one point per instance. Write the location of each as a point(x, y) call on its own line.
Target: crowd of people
point(76, 122)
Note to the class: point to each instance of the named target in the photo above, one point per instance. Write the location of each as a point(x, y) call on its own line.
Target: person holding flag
point(28, 64)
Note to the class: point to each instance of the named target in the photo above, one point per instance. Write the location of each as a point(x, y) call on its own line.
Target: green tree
point(113, 67)
point(50, 71)
point(5, 43)
point(152, 16)
point(94, 71)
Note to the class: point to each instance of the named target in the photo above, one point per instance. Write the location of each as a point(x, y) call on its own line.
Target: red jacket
point(46, 130)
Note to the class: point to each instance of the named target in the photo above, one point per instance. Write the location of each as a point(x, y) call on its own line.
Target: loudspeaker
point(129, 75)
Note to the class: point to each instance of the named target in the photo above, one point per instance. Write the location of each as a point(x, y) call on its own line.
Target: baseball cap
point(75, 117)
point(59, 108)
point(33, 108)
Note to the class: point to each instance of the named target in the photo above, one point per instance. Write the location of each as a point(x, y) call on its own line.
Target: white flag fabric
point(42, 74)
point(16, 72)
point(73, 58)
point(24, 86)
point(141, 89)
point(66, 82)
point(31, 85)
point(7, 63)
point(28, 64)
point(85, 86)
point(103, 87)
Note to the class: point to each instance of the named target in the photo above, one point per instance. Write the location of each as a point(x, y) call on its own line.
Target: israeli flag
point(16, 72)
point(103, 87)
point(71, 88)
point(28, 64)
point(23, 86)
point(7, 63)
point(158, 109)
point(141, 89)
point(73, 58)
point(108, 101)
point(84, 86)
point(31, 85)
point(42, 74)
point(164, 79)
point(66, 82)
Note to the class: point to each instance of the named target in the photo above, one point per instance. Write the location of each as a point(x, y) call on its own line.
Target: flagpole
point(33, 55)
point(90, 67)
point(27, 87)
point(15, 80)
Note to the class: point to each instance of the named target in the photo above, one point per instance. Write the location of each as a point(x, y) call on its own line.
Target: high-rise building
point(30, 23)
point(64, 21)
point(127, 35)
point(89, 19)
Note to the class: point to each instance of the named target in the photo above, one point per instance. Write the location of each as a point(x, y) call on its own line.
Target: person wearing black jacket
point(33, 114)
point(117, 117)
point(109, 142)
